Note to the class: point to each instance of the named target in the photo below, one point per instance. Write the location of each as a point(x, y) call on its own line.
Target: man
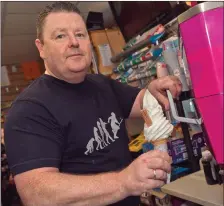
point(55, 150)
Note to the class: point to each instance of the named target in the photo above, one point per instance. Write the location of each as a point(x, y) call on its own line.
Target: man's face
point(66, 47)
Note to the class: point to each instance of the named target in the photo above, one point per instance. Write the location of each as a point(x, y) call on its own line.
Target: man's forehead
point(63, 20)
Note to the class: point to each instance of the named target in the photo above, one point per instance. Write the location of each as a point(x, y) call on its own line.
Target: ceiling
point(18, 21)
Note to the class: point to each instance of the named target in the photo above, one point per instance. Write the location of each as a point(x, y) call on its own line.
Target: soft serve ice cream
point(160, 127)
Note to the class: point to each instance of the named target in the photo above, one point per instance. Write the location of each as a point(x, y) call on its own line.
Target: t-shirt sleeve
point(126, 96)
point(33, 137)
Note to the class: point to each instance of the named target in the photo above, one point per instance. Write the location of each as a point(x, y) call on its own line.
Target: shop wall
point(19, 76)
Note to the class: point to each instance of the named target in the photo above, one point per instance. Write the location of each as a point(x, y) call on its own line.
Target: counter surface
point(194, 188)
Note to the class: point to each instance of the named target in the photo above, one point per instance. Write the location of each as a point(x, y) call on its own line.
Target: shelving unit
point(171, 29)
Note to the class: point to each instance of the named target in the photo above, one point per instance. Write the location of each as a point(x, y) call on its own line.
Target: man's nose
point(73, 42)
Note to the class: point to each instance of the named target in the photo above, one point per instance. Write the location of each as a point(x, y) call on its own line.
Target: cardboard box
point(177, 149)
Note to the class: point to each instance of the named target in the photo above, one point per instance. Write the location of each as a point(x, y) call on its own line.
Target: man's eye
point(60, 36)
point(80, 35)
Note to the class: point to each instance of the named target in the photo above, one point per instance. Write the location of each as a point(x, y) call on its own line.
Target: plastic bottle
point(209, 166)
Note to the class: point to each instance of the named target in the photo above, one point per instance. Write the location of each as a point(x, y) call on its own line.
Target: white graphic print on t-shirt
point(115, 125)
point(101, 136)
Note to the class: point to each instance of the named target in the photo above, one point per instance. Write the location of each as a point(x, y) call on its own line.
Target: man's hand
point(158, 89)
point(138, 177)
point(159, 86)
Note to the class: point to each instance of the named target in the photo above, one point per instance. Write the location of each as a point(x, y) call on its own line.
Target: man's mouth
point(75, 55)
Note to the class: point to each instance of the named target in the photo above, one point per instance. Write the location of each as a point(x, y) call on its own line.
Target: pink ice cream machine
point(201, 29)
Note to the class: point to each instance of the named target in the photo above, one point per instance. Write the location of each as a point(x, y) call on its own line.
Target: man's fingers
point(151, 184)
point(159, 163)
point(173, 84)
point(158, 89)
point(179, 88)
point(170, 83)
point(162, 99)
point(157, 154)
point(177, 84)
point(160, 174)
point(172, 88)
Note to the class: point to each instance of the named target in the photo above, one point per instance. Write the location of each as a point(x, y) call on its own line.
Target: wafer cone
point(146, 117)
point(161, 144)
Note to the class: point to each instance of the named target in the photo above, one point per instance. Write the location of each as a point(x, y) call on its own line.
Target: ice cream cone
point(160, 144)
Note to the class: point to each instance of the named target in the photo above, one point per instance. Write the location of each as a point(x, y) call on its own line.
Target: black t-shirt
point(78, 128)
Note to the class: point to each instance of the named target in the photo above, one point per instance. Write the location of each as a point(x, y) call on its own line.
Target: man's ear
point(40, 48)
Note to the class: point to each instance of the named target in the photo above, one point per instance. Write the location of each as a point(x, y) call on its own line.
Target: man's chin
point(78, 70)
point(76, 76)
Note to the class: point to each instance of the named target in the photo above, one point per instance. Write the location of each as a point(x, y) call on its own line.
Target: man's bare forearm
point(137, 106)
point(54, 188)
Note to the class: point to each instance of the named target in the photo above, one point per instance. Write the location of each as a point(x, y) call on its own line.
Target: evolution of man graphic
point(102, 137)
